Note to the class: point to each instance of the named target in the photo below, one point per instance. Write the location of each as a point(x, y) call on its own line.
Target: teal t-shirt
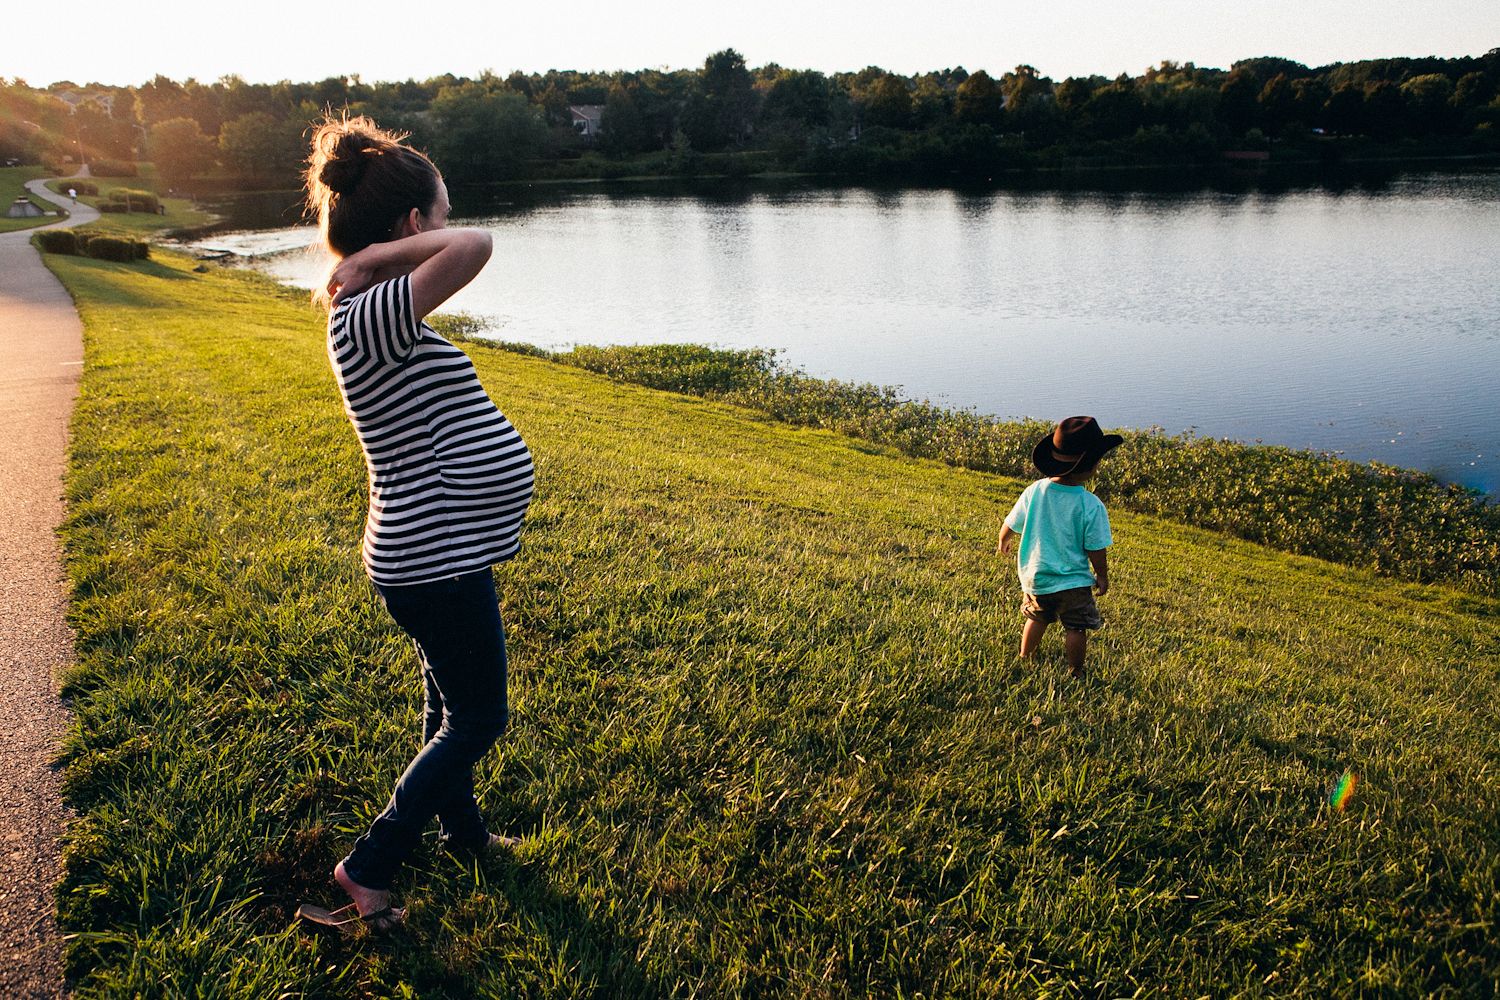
point(1058, 526)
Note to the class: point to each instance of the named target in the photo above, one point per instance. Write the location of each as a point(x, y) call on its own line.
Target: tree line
point(728, 117)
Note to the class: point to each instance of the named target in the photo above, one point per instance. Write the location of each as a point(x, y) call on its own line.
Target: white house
point(588, 119)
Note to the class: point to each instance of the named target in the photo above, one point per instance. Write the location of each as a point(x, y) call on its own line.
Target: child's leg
point(1076, 643)
point(1031, 637)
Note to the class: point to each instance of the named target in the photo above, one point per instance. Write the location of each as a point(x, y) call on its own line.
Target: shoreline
point(1247, 440)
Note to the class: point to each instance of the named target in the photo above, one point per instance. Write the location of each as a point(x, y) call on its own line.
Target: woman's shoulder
point(397, 288)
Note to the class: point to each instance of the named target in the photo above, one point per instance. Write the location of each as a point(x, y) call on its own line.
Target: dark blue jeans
point(461, 644)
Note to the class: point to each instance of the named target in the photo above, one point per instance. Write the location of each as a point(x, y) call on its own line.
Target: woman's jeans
point(461, 644)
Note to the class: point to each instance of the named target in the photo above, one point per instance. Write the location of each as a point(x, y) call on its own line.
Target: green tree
point(1074, 92)
point(1029, 107)
point(1239, 106)
point(1384, 111)
point(520, 83)
point(1344, 110)
point(660, 98)
point(1473, 90)
point(931, 101)
point(101, 134)
point(1114, 111)
point(624, 127)
point(31, 122)
point(553, 101)
point(978, 100)
point(888, 102)
point(240, 98)
point(254, 146)
point(180, 150)
point(1278, 104)
point(484, 134)
point(204, 104)
point(159, 99)
point(802, 96)
point(1429, 104)
point(1022, 85)
point(721, 109)
point(1309, 98)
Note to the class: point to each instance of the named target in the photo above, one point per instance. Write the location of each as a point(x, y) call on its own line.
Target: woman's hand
point(354, 274)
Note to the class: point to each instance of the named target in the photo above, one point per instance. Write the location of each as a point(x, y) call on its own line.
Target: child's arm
point(1099, 559)
point(1007, 540)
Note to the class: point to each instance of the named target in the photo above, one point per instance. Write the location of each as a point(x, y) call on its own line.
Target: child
point(1063, 531)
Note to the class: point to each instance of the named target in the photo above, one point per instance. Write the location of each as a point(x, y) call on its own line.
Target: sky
point(272, 40)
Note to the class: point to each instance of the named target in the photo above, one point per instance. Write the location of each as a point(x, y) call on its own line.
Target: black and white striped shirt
point(450, 478)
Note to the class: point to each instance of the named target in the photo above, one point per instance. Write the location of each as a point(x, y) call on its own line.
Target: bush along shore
point(1398, 522)
point(769, 737)
point(101, 245)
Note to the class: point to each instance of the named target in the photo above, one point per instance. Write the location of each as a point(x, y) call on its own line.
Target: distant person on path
point(450, 481)
point(1063, 533)
point(73, 193)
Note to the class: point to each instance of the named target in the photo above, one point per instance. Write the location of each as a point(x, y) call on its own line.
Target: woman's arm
point(440, 262)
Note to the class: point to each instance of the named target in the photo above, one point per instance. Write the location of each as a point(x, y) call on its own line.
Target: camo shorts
point(1075, 608)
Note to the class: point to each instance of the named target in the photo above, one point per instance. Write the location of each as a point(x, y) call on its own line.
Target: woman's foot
point(501, 842)
point(374, 905)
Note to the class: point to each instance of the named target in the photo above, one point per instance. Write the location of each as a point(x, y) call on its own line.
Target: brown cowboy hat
point(1076, 443)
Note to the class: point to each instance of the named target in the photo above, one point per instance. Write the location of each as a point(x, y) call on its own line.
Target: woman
point(450, 481)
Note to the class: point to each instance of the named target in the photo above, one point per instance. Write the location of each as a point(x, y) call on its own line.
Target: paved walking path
point(41, 357)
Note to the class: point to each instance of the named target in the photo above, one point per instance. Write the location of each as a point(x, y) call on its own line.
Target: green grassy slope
point(769, 736)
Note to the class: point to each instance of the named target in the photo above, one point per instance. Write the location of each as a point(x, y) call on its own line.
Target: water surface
point(1360, 322)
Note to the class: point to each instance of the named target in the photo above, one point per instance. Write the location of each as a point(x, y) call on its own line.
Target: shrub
point(688, 368)
point(135, 201)
point(113, 206)
point(459, 325)
point(80, 185)
point(520, 347)
point(56, 241)
point(111, 248)
point(1398, 522)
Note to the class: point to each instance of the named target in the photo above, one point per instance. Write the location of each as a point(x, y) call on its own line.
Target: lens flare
point(1343, 791)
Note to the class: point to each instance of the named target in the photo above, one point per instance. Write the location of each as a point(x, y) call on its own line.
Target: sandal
point(345, 917)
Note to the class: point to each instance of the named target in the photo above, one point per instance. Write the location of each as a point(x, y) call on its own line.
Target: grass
point(12, 186)
point(181, 213)
point(1399, 522)
point(769, 735)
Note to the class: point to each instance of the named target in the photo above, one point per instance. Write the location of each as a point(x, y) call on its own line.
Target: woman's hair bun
point(345, 150)
point(347, 158)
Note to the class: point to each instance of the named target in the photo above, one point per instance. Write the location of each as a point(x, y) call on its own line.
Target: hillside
point(769, 736)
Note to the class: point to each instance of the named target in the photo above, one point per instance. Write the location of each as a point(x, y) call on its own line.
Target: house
point(588, 120)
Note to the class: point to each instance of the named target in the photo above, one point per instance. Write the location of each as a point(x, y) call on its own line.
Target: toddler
point(1063, 533)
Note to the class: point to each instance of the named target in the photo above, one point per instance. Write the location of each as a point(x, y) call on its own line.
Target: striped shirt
point(450, 478)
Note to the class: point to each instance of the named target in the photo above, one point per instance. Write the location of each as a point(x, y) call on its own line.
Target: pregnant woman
point(450, 481)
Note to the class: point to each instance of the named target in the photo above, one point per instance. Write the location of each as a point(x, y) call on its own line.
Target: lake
point(1363, 321)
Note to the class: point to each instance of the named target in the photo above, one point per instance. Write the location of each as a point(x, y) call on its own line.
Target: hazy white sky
point(270, 40)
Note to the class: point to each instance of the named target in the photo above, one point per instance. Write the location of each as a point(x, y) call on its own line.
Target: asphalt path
point(41, 359)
